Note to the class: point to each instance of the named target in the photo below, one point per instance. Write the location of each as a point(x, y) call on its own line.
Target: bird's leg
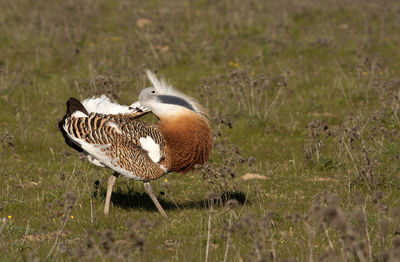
point(111, 181)
point(149, 190)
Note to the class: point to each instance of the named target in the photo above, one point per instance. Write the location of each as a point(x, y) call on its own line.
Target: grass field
point(305, 94)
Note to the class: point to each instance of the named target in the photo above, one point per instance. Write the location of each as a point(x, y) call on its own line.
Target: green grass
point(266, 70)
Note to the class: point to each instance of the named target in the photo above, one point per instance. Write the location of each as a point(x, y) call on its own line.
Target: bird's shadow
point(140, 200)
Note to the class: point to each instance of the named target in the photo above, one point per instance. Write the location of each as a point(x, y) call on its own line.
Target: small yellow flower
point(10, 216)
point(364, 73)
point(165, 180)
point(72, 217)
point(233, 64)
point(54, 220)
point(252, 73)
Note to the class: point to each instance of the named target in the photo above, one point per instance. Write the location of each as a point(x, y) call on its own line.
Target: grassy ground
point(304, 93)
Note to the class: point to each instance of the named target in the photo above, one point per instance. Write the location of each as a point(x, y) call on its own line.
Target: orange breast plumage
point(188, 140)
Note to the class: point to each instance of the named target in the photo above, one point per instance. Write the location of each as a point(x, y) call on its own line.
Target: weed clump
point(314, 142)
point(358, 147)
point(108, 245)
point(249, 94)
point(222, 176)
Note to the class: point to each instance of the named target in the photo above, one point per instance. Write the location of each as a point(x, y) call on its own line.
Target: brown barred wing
point(130, 160)
point(114, 141)
point(136, 129)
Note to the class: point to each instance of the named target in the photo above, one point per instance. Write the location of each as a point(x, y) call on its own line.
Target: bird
point(114, 136)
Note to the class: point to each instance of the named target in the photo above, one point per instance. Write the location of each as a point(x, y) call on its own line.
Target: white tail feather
point(104, 105)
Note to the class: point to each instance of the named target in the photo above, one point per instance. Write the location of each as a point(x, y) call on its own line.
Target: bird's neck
point(188, 140)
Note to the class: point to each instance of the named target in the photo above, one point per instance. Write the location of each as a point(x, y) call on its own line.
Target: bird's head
point(164, 101)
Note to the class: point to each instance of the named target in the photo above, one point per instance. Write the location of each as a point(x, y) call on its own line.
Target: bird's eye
point(153, 92)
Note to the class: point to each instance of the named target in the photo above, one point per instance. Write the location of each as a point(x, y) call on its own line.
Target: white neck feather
point(164, 88)
point(167, 110)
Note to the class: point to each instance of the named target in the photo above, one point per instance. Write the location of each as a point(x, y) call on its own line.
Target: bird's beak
point(138, 108)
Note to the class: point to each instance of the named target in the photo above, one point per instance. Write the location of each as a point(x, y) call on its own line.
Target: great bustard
point(112, 136)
